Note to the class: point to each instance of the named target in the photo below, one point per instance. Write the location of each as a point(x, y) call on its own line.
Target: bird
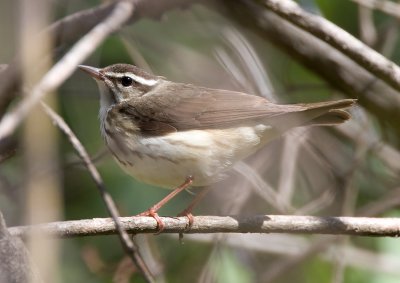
point(176, 135)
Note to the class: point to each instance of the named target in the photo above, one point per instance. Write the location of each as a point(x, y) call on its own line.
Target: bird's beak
point(93, 72)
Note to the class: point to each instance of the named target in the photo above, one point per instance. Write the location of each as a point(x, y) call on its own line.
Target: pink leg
point(188, 210)
point(152, 211)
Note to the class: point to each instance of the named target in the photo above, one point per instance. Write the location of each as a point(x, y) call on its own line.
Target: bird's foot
point(151, 212)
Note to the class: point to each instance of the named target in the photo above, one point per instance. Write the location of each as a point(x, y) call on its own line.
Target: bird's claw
point(152, 213)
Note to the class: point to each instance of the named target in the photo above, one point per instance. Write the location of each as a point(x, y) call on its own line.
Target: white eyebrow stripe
point(138, 79)
point(143, 80)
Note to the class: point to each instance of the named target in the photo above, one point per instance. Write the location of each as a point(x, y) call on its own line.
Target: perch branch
point(356, 226)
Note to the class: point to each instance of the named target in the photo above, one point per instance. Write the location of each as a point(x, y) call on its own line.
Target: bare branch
point(289, 247)
point(64, 68)
point(384, 151)
point(326, 61)
point(16, 265)
point(388, 7)
point(127, 243)
point(368, 33)
point(70, 28)
point(387, 202)
point(67, 30)
point(356, 226)
point(280, 267)
point(371, 60)
point(290, 152)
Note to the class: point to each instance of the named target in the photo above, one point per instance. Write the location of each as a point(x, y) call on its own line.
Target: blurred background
point(351, 170)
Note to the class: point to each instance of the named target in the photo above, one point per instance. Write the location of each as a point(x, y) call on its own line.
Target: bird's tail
point(315, 114)
point(330, 113)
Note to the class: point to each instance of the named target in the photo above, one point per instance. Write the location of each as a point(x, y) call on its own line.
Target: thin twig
point(293, 246)
point(388, 7)
point(72, 27)
point(64, 68)
point(366, 26)
point(278, 268)
point(348, 209)
point(356, 226)
point(290, 151)
point(262, 188)
point(129, 247)
point(388, 154)
point(386, 203)
point(326, 31)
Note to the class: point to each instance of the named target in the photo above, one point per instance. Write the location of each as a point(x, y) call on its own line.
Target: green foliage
point(342, 12)
point(227, 268)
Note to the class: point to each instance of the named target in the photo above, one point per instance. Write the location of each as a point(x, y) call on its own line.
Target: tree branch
point(388, 7)
point(129, 246)
point(69, 29)
point(16, 265)
point(356, 226)
point(326, 61)
point(64, 68)
point(326, 31)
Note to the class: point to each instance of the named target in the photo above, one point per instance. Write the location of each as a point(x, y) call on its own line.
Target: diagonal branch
point(69, 29)
point(388, 7)
point(128, 245)
point(356, 226)
point(326, 61)
point(371, 60)
point(64, 68)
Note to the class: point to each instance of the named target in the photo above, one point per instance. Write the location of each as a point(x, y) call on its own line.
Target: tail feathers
point(331, 118)
point(320, 113)
point(337, 104)
point(329, 113)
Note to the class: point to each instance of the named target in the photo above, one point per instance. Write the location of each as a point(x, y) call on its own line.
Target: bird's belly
point(168, 160)
point(169, 173)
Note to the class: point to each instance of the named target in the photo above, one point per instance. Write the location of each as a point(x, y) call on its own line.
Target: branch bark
point(324, 60)
point(64, 68)
point(129, 246)
point(326, 31)
point(15, 265)
point(388, 7)
point(356, 226)
point(69, 29)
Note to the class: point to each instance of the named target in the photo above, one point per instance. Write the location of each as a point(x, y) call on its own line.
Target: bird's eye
point(126, 81)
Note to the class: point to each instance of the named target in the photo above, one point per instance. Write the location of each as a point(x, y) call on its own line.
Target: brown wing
point(179, 107)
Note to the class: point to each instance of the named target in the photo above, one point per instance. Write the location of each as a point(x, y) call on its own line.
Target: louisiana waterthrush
point(166, 133)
